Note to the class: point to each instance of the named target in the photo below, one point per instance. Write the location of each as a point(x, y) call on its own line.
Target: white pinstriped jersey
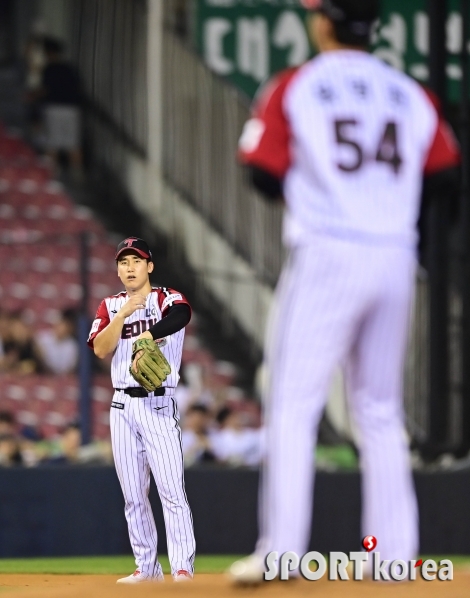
point(157, 302)
point(351, 138)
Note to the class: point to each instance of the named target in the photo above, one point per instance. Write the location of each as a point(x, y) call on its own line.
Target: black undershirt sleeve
point(175, 318)
point(441, 186)
point(269, 185)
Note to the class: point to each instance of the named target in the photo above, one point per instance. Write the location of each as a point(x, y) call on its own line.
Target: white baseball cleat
point(137, 577)
point(247, 571)
point(182, 575)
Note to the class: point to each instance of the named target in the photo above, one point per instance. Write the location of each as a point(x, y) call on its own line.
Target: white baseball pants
point(339, 302)
point(146, 436)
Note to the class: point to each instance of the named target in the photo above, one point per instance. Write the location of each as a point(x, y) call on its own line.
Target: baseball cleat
point(182, 575)
point(247, 571)
point(137, 577)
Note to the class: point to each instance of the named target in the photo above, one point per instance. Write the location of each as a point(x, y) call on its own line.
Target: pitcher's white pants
point(146, 437)
point(339, 302)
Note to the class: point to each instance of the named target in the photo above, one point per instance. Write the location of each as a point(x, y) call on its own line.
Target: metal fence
point(110, 46)
point(203, 119)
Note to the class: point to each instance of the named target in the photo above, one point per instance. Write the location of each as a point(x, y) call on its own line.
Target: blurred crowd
point(25, 446)
point(48, 351)
point(220, 424)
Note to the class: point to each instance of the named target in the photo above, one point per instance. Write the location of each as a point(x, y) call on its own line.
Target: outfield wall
point(52, 511)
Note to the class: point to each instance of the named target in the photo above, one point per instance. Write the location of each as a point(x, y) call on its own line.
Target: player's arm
point(176, 314)
point(105, 338)
point(265, 182)
point(176, 318)
point(441, 168)
point(264, 146)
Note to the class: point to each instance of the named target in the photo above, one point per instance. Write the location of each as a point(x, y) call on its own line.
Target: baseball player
point(346, 140)
point(145, 431)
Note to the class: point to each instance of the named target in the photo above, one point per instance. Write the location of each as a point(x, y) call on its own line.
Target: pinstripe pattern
point(371, 203)
point(146, 437)
point(120, 375)
point(144, 440)
point(364, 317)
point(352, 138)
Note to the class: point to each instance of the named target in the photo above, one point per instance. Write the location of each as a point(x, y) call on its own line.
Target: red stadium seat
point(15, 391)
point(45, 391)
point(25, 417)
point(7, 212)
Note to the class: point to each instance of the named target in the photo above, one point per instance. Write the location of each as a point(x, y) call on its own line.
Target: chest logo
point(136, 328)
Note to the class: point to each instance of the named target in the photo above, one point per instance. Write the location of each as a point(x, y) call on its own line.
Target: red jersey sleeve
point(444, 151)
point(99, 323)
point(266, 138)
point(168, 297)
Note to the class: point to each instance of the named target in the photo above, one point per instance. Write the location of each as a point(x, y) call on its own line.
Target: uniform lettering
point(388, 152)
point(126, 331)
point(136, 328)
point(95, 326)
point(342, 138)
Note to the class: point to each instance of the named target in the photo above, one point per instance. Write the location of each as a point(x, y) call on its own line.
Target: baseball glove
point(152, 367)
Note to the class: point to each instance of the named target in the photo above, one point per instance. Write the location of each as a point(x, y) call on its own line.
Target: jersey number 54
point(388, 152)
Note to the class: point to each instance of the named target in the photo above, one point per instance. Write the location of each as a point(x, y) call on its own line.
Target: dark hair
point(69, 315)
point(73, 425)
point(198, 408)
point(223, 414)
point(141, 257)
point(7, 417)
point(355, 27)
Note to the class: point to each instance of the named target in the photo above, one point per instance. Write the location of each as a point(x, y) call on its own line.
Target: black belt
point(138, 391)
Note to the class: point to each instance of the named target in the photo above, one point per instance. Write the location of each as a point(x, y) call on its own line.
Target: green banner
point(248, 40)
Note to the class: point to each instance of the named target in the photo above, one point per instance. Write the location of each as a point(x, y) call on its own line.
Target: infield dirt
point(207, 585)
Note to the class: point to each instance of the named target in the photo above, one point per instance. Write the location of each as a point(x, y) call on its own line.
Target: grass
point(111, 565)
point(122, 565)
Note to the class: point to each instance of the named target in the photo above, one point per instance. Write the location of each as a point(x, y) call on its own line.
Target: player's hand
point(134, 303)
point(145, 334)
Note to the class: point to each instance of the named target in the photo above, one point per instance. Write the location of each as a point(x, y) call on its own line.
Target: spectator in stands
point(10, 454)
point(69, 446)
point(62, 98)
point(7, 423)
point(20, 352)
point(232, 443)
point(58, 347)
point(196, 440)
point(32, 451)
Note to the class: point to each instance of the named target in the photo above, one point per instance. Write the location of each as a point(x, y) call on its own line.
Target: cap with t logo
point(135, 244)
